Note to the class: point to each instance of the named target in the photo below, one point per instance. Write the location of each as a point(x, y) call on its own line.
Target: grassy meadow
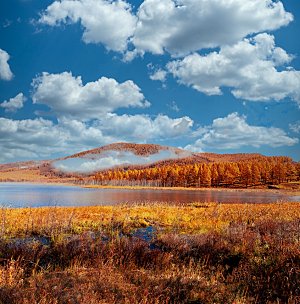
point(151, 253)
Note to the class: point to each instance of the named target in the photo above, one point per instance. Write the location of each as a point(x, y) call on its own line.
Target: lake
point(37, 195)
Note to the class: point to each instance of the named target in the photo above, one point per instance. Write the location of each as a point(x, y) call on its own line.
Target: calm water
point(33, 195)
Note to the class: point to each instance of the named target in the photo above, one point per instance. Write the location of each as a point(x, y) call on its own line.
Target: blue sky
point(213, 76)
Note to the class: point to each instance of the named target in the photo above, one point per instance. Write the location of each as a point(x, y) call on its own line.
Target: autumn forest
point(259, 171)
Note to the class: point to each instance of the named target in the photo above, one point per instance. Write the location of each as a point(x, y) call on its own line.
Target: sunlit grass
point(199, 253)
point(192, 218)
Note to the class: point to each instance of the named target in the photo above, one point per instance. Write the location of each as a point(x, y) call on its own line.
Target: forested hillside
point(131, 164)
point(259, 170)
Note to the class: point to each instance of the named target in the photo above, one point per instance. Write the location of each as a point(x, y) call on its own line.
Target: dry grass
point(32, 175)
point(281, 188)
point(192, 218)
point(16, 174)
point(201, 253)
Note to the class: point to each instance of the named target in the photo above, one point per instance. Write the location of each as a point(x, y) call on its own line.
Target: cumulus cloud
point(66, 95)
point(14, 104)
point(41, 138)
point(248, 67)
point(110, 23)
point(233, 132)
point(180, 27)
point(159, 75)
point(5, 72)
point(21, 139)
point(142, 127)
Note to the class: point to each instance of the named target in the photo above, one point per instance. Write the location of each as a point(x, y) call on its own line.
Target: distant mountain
point(137, 149)
point(130, 154)
point(117, 155)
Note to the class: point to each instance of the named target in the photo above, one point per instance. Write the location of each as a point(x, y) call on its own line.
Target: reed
point(151, 253)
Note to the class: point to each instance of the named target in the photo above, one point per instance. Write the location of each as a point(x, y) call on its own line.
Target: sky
point(207, 76)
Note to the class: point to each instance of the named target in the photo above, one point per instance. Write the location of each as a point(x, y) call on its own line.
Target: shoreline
point(292, 192)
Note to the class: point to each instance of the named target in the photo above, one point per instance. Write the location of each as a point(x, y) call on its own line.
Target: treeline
point(262, 171)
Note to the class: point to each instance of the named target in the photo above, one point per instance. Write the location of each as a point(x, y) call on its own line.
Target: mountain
point(130, 154)
point(118, 155)
point(86, 162)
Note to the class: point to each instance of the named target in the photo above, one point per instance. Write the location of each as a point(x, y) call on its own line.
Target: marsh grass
point(200, 253)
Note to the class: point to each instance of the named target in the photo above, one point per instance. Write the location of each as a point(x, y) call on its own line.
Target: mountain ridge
point(116, 156)
point(140, 149)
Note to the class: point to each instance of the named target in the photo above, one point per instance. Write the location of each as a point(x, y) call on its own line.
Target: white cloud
point(7, 23)
point(176, 26)
point(248, 67)
point(14, 104)
point(40, 138)
point(183, 26)
point(21, 139)
point(233, 132)
point(43, 139)
point(104, 21)
point(142, 128)
point(67, 96)
point(295, 127)
point(173, 106)
point(159, 75)
point(111, 158)
point(5, 72)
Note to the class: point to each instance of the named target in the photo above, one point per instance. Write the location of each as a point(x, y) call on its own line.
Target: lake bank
point(69, 182)
point(276, 190)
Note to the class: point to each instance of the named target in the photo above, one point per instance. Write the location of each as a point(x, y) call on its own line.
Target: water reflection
point(33, 195)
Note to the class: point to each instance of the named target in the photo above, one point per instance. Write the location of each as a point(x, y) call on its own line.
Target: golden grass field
point(32, 175)
point(153, 253)
point(193, 218)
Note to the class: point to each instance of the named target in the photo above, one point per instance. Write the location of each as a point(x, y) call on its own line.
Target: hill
point(155, 165)
point(153, 154)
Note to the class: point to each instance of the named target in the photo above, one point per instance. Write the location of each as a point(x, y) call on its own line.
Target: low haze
point(109, 159)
